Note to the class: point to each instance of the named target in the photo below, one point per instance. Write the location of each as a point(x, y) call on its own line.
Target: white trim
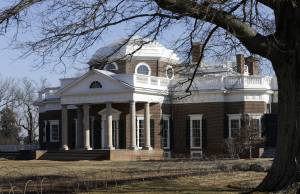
point(170, 67)
point(54, 122)
point(138, 118)
point(167, 155)
point(114, 64)
point(196, 152)
point(140, 64)
point(167, 117)
point(233, 117)
point(192, 118)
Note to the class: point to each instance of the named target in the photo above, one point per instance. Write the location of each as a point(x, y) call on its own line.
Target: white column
point(64, 133)
point(132, 112)
point(79, 137)
point(86, 127)
point(147, 127)
point(109, 126)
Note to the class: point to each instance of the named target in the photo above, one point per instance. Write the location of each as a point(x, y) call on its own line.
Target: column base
point(64, 148)
point(110, 148)
point(147, 148)
point(134, 148)
point(87, 148)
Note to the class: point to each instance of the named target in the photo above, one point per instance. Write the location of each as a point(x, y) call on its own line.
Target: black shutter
point(152, 126)
point(188, 133)
point(204, 134)
point(226, 127)
point(171, 135)
point(122, 136)
point(47, 131)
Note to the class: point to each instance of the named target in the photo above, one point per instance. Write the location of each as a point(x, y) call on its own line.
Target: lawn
point(170, 176)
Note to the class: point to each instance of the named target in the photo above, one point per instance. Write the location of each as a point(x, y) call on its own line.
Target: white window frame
point(169, 67)
point(259, 117)
point(167, 155)
point(233, 117)
point(196, 152)
point(167, 117)
point(54, 122)
point(44, 138)
point(114, 64)
point(140, 64)
point(138, 131)
point(192, 118)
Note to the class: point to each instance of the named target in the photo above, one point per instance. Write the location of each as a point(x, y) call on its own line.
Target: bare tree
point(28, 112)
point(247, 139)
point(268, 28)
point(8, 92)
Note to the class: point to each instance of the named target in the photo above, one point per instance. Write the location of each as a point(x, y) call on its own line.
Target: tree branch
point(251, 39)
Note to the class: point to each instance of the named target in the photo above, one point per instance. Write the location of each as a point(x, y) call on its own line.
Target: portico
point(109, 127)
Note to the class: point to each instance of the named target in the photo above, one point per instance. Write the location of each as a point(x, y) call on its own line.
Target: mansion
point(136, 105)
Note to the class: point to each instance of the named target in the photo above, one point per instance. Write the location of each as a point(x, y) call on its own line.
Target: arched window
point(111, 67)
point(143, 68)
point(96, 84)
point(170, 72)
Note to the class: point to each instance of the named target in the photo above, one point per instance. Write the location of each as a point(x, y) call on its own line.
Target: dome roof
point(135, 47)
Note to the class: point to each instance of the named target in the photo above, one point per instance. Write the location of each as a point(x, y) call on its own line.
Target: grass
point(172, 176)
point(222, 182)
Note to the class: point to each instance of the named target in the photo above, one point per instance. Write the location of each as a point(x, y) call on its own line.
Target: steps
point(75, 155)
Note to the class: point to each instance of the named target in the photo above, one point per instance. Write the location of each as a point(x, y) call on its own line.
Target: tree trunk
point(285, 165)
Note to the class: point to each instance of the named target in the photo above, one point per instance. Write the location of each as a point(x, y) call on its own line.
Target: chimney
point(240, 63)
point(253, 65)
point(196, 51)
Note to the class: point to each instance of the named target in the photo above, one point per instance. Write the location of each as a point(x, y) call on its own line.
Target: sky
point(12, 65)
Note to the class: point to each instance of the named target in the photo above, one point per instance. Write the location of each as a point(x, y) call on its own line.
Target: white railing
point(230, 82)
point(16, 148)
point(144, 81)
point(48, 93)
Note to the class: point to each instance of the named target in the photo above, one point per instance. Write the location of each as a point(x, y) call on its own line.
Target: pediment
point(94, 82)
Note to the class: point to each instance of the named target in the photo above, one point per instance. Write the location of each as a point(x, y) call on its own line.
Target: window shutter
point(188, 133)
point(171, 135)
point(204, 134)
point(47, 131)
point(122, 136)
point(152, 126)
point(226, 129)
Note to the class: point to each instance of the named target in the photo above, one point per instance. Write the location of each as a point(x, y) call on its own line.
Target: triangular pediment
point(94, 82)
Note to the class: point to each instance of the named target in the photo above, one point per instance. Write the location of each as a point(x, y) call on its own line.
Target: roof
point(135, 47)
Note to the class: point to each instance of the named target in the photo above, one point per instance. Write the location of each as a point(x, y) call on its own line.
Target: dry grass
point(94, 175)
point(210, 184)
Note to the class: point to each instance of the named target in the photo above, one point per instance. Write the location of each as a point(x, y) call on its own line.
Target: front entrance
point(115, 133)
point(115, 128)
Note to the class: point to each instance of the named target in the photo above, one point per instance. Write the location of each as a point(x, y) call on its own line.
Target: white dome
point(121, 48)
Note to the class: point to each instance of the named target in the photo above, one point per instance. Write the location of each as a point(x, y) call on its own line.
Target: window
point(111, 67)
point(235, 127)
point(255, 122)
point(234, 124)
point(45, 132)
point(54, 131)
point(196, 131)
point(140, 132)
point(167, 155)
point(166, 132)
point(143, 68)
point(95, 84)
point(170, 72)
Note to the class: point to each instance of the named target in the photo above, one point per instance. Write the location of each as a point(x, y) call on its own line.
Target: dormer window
point(95, 84)
point(111, 67)
point(143, 68)
point(170, 72)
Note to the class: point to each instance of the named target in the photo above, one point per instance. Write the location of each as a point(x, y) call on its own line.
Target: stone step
point(74, 155)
